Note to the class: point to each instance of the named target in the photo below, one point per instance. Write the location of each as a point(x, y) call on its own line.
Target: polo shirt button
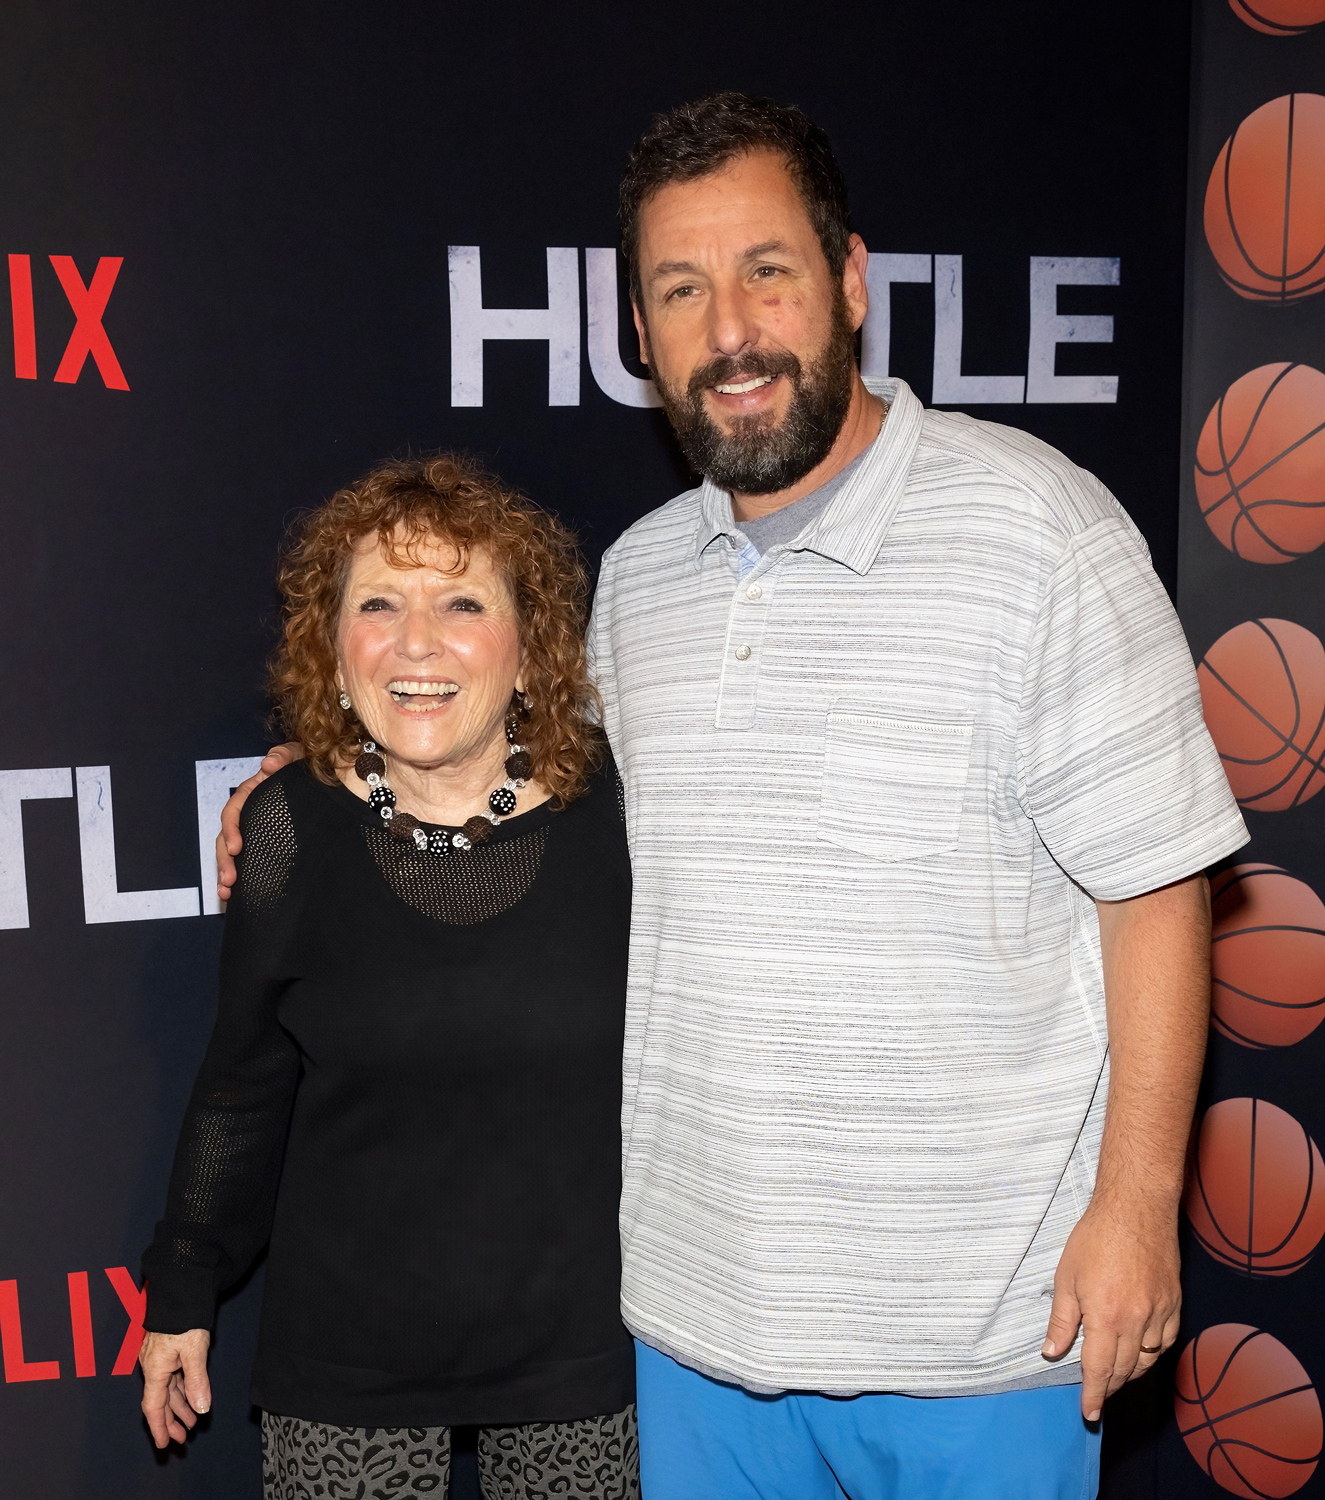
point(742, 653)
point(753, 592)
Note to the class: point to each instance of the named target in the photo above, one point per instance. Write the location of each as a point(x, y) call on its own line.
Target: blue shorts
point(703, 1440)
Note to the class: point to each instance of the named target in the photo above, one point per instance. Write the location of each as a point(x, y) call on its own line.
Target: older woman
point(413, 1089)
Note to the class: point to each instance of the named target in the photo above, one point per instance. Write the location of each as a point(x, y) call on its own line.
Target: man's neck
point(863, 420)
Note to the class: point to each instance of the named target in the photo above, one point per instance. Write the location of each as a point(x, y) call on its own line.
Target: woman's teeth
point(420, 695)
point(745, 385)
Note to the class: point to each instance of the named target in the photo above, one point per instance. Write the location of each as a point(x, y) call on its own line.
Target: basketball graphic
point(1256, 1192)
point(1260, 464)
point(1247, 1411)
point(1280, 17)
point(1268, 957)
point(1263, 690)
point(1265, 202)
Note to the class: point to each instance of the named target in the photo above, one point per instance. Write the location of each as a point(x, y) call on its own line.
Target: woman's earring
point(345, 700)
point(517, 713)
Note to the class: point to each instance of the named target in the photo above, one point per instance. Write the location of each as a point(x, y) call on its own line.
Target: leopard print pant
point(596, 1458)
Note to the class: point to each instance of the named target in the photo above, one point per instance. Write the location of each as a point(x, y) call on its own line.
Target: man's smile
point(747, 385)
point(747, 396)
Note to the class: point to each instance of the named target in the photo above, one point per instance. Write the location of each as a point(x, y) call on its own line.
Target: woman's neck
point(448, 794)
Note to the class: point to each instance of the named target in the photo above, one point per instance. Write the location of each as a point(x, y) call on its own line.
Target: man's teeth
point(746, 385)
point(406, 688)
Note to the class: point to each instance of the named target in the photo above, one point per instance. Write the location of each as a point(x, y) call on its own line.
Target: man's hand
point(175, 1384)
point(1117, 1278)
point(228, 841)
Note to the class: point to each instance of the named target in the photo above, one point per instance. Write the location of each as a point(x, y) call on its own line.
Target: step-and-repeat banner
point(250, 252)
point(1251, 589)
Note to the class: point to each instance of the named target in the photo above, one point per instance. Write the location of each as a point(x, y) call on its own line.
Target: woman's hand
point(175, 1384)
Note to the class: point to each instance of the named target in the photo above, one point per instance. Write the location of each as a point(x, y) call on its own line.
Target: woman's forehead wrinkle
point(447, 555)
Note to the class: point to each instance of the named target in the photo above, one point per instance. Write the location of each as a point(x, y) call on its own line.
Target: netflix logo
point(88, 303)
point(20, 1366)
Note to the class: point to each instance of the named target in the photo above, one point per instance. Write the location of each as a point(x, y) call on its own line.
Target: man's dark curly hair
point(695, 139)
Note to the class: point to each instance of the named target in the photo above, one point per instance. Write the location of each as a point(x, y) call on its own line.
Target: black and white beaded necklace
point(371, 767)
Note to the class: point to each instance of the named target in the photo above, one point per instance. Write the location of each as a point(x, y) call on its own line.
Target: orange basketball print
point(1260, 464)
point(1280, 17)
point(1265, 202)
point(1263, 689)
point(1256, 1193)
point(1267, 958)
point(1247, 1411)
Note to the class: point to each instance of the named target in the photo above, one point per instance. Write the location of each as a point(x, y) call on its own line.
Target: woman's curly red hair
point(404, 503)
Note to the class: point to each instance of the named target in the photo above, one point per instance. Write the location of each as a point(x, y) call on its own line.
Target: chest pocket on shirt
point(892, 788)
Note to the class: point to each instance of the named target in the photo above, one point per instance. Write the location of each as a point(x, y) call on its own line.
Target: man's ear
point(855, 287)
point(642, 329)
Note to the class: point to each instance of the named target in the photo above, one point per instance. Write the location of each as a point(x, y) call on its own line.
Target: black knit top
point(413, 1096)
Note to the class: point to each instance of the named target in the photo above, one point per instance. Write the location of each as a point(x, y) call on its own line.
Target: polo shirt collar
point(851, 530)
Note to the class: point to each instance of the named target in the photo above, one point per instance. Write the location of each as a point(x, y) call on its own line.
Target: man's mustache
point(728, 369)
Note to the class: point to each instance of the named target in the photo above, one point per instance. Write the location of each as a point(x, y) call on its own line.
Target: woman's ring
point(1146, 1349)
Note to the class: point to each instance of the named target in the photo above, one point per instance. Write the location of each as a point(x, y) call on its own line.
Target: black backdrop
point(282, 184)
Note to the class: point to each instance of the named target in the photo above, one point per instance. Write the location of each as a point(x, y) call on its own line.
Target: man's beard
point(757, 455)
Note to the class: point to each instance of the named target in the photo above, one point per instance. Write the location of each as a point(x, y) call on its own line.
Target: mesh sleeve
point(227, 1163)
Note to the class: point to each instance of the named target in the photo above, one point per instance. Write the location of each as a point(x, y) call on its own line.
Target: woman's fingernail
point(1093, 1417)
point(1048, 1347)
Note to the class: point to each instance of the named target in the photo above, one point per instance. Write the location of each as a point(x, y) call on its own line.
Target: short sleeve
point(1115, 766)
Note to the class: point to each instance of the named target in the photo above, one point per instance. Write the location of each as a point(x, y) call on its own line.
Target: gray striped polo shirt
point(872, 788)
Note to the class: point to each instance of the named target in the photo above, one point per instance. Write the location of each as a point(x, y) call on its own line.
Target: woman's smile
point(422, 695)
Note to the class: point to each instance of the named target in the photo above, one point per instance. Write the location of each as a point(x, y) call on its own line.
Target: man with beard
point(919, 799)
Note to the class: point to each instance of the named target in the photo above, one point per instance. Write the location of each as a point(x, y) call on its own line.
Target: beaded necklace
point(370, 767)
